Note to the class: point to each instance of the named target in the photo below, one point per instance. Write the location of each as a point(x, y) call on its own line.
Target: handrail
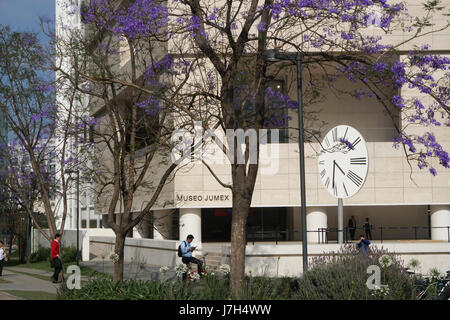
point(323, 233)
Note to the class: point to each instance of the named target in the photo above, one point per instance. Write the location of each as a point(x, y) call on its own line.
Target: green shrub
point(343, 275)
point(208, 288)
point(107, 289)
point(339, 276)
point(69, 254)
point(41, 254)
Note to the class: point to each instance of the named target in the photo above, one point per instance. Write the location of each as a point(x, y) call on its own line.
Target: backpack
point(180, 254)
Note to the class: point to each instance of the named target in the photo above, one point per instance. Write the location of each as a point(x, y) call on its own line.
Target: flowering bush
point(193, 276)
point(380, 292)
point(181, 269)
point(385, 261)
point(224, 269)
point(114, 257)
point(343, 275)
point(163, 269)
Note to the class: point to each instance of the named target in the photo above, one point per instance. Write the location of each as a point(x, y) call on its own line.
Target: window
point(92, 223)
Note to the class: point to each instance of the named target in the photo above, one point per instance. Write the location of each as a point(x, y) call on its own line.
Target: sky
point(23, 15)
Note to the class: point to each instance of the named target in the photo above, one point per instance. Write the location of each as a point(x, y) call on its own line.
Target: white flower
point(225, 269)
point(380, 291)
point(385, 260)
point(194, 276)
point(163, 269)
point(414, 264)
point(181, 269)
point(114, 257)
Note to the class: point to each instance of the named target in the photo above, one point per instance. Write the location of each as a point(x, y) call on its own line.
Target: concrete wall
point(148, 251)
point(69, 239)
point(265, 259)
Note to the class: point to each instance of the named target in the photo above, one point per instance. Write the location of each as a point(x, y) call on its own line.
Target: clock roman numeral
point(322, 162)
point(345, 189)
point(327, 183)
point(356, 142)
point(335, 135)
point(354, 178)
point(327, 142)
point(362, 160)
point(345, 134)
point(322, 173)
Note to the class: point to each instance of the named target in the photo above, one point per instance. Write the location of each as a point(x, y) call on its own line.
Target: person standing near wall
point(352, 227)
point(368, 229)
point(2, 257)
point(56, 262)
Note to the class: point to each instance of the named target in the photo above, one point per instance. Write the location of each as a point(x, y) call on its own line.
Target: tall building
point(67, 20)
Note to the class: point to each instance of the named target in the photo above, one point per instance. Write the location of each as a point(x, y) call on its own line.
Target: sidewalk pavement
point(21, 282)
point(131, 270)
point(7, 296)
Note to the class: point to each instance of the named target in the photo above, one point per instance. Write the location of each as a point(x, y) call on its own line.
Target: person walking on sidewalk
point(56, 258)
point(2, 257)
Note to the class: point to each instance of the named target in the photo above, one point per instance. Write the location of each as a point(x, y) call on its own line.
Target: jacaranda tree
point(39, 147)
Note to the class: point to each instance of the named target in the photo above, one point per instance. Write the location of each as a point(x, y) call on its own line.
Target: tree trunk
point(119, 249)
point(11, 239)
point(241, 207)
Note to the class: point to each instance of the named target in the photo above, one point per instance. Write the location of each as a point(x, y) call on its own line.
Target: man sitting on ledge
point(186, 254)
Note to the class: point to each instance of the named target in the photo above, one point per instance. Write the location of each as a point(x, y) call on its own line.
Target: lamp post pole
point(274, 56)
point(78, 217)
point(78, 212)
point(301, 148)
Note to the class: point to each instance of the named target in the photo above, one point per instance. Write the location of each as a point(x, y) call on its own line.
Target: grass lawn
point(45, 266)
point(32, 295)
point(4, 281)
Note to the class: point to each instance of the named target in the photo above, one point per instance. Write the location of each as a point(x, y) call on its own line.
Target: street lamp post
point(275, 56)
point(78, 211)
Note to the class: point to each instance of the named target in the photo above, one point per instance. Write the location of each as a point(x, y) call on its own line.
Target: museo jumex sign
point(180, 197)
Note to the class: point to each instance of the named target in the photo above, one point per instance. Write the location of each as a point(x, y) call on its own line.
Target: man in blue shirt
point(363, 244)
point(186, 251)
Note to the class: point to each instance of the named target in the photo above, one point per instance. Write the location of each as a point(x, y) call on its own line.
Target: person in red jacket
point(56, 258)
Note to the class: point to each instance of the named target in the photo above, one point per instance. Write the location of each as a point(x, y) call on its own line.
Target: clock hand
point(339, 168)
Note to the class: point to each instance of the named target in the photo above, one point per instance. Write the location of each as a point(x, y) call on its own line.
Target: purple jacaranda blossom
point(141, 19)
point(398, 102)
point(262, 26)
point(347, 143)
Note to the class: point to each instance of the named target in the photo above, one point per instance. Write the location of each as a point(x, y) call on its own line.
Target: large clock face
point(343, 161)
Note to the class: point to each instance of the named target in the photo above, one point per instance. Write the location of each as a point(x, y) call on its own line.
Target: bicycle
point(433, 288)
point(190, 271)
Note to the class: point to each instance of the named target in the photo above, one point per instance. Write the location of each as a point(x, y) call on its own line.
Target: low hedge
point(68, 254)
point(338, 276)
point(209, 288)
point(343, 276)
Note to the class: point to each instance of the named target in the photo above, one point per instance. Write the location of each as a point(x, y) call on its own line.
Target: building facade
point(400, 201)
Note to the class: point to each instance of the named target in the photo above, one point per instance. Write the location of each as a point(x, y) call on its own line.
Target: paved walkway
point(7, 296)
point(22, 282)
